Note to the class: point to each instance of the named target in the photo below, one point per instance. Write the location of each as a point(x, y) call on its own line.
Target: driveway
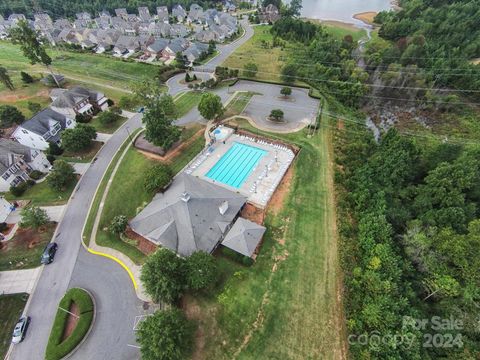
point(18, 281)
point(53, 212)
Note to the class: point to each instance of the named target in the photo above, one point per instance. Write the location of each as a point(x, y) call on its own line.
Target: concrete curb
point(89, 329)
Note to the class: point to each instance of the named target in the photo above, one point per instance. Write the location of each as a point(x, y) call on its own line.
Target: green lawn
point(12, 308)
point(127, 196)
point(25, 249)
point(84, 156)
point(238, 103)
point(107, 129)
point(187, 102)
point(43, 195)
point(287, 305)
point(267, 59)
point(90, 67)
point(340, 31)
point(209, 57)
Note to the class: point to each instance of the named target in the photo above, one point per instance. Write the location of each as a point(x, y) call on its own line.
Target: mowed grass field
point(12, 308)
point(288, 304)
point(266, 57)
point(91, 68)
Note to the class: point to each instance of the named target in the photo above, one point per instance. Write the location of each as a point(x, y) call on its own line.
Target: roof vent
point(185, 197)
point(223, 207)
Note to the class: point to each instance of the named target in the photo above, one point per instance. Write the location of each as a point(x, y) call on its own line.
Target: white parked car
point(20, 329)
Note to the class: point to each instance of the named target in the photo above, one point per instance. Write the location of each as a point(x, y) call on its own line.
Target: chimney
point(185, 197)
point(223, 207)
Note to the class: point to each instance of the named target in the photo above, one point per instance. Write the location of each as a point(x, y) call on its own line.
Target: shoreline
point(366, 17)
point(336, 23)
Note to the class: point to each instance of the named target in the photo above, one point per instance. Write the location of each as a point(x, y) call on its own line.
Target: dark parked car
point(49, 253)
point(20, 329)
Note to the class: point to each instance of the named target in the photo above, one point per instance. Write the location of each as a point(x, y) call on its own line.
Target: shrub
point(19, 189)
point(202, 271)
point(82, 118)
point(110, 102)
point(35, 174)
point(250, 70)
point(30, 182)
point(118, 225)
point(61, 176)
point(10, 115)
point(54, 149)
point(276, 115)
point(26, 78)
point(56, 348)
point(115, 109)
point(157, 177)
point(51, 158)
point(108, 118)
point(3, 226)
point(79, 138)
point(33, 217)
point(34, 107)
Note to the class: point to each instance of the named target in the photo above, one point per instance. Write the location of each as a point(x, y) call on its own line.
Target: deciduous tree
point(62, 175)
point(5, 78)
point(210, 106)
point(79, 138)
point(33, 217)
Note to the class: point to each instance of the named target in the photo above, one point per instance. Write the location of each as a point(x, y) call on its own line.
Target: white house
point(42, 128)
point(17, 161)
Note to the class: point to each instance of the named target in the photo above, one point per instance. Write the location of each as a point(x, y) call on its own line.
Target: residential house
point(144, 14)
point(160, 30)
point(179, 13)
point(104, 20)
point(195, 13)
point(126, 44)
point(179, 30)
point(121, 13)
point(194, 52)
point(175, 46)
point(205, 36)
point(62, 24)
point(156, 48)
point(162, 14)
point(43, 22)
point(15, 18)
point(195, 215)
point(44, 127)
point(269, 14)
point(5, 26)
point(77, 100)
point(17, 161)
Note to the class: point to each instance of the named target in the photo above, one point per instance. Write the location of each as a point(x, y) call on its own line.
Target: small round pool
point(221, 133)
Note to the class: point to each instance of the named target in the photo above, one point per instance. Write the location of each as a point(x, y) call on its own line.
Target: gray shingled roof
point(244, 237)
point(188, 226)
point(10, 151)
point(39, 123)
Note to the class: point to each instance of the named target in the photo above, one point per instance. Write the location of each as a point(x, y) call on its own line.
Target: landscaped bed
point(12, 308)
point(84, 156)
point(68, 330)
point(25, 249)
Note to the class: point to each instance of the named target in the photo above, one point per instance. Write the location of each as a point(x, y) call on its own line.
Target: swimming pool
point(236, 164)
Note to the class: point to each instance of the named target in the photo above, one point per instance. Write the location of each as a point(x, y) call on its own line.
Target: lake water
point(342, 10)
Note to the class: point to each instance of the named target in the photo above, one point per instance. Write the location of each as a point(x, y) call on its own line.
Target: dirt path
point(72, 321)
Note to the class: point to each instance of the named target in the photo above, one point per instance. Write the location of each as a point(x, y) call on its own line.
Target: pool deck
point(262, 183)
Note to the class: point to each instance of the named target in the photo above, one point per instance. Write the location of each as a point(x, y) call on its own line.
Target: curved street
point(112, 335)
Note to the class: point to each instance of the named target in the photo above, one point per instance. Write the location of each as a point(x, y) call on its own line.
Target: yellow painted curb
point(118, 261)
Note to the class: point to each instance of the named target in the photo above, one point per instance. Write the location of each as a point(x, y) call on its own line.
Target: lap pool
point(236, 165)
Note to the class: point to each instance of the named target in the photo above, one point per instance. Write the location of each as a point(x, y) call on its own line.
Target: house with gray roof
point(43, 22)
point(15, 18)
point(162, 14)
point(144, 13)
point(156, 48)
point(194, 52)
point(17, 161)
point(77, 100)
point(191, 215)
point(126, 44)
point(43, 128)
point(121, 13)
point(179, 12)
point(195, 14)
point(244, 237)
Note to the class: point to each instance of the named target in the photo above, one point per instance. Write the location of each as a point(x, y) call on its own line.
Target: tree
point(276, 115)
point(277, 3)
point(181, 60)
point(187, 77)
point(250, 70)
point(202, 271)
point(54, 149)
point(286, 91)
point(34, 107)
point(33, 217)
point(5, 78)
point(294, 9)
point(79, 138)
point(212, 47)
point(159, 127)
point(289, 73)
point(62, 175)
point(166, 335)
point(157, 177)
point(32, 48)
point(163, 276)
point(108, 118)
point(10, 115)
point(147, 91)
point(210, 106)
point(26, 78)
point(118, 224)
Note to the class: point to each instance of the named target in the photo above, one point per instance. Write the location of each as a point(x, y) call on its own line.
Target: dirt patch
point(276, 201)
point(72, 320)
point(24, 238)
point(193, 312)
point(253, 213)
point(340, 124)
point(366, 17)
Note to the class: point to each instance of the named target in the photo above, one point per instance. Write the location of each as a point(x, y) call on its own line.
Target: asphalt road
point(70, 267)
point(112, 335)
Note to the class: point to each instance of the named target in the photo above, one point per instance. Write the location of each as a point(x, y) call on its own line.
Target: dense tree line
point(438, 36)
point(68, 8)
point(411, 233)
point(322, 60)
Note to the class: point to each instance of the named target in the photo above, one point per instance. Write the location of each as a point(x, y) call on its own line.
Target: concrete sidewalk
point(18, 281)
point(103, 137)
point(53, 212)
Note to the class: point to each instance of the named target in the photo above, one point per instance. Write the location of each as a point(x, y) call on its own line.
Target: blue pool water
point(236, 164)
